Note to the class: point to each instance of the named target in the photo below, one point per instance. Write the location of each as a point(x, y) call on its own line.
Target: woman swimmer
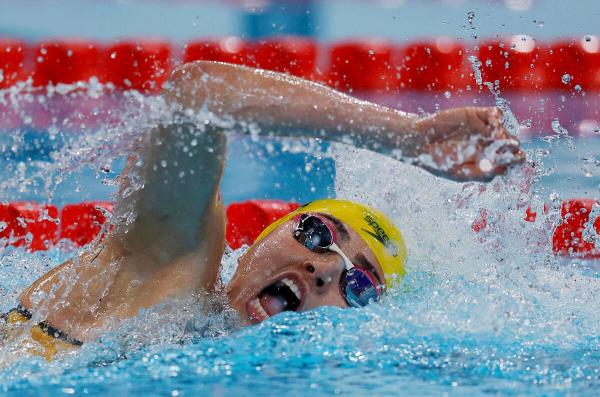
point(329, 252)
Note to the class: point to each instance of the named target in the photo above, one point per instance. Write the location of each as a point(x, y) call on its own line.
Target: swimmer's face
point(280, 274)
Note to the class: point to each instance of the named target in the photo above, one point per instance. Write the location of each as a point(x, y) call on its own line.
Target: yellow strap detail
point(14, 317)
point(48, 343)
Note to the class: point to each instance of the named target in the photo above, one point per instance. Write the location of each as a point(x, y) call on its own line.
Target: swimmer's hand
point(468, 143)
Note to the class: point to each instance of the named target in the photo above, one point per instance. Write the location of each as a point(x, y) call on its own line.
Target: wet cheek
point(332, 298)
point(262, 265)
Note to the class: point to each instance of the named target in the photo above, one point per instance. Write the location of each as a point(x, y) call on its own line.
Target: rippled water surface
point(478, 314)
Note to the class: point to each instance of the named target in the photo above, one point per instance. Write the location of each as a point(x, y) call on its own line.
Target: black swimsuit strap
point(47, 328)
point(58, 334)
point(22, 311)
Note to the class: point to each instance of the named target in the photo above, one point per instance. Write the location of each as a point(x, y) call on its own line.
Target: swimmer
point(328, 252)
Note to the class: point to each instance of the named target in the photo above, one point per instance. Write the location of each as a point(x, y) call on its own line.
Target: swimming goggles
point(358, 287)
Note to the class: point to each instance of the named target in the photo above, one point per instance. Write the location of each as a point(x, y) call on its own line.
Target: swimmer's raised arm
point(452, 143)
point(168, 234)
point(167, 240)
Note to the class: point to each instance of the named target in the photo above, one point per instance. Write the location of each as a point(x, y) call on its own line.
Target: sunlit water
point(478, 314)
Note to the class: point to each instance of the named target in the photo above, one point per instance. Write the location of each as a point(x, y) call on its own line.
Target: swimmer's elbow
point(192, 83)
point(184, 86)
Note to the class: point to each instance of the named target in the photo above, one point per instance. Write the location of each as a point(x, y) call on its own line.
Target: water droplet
point(566, 78)
point(578, 88)
point(163, 163)
point(470, 16)
point(485, 165)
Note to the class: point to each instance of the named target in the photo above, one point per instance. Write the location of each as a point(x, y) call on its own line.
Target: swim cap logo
point(380, 235)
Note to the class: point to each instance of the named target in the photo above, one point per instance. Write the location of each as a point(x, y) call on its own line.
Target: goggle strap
point(347, 262)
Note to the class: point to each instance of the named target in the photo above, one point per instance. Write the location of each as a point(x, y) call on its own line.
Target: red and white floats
point(37, 227)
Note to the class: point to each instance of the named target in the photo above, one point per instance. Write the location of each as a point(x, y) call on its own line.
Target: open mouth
point(283, 295)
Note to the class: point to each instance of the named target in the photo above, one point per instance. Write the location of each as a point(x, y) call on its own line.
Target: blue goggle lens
point(358, 289)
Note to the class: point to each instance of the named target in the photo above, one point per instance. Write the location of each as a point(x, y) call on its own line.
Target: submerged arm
point(451, 143)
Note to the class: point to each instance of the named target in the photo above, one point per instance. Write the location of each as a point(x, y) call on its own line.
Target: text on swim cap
point(380, 235)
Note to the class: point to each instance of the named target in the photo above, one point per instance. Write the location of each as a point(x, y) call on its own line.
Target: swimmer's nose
point(325, 274)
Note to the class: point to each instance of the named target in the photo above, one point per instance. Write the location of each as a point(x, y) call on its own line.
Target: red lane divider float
point(516, 63)
point(66, 62)
point(29, 225)
point(228, 49)
point(40, 226)
point(362, 66)
point(246, 220)
point(138, 65)
point(294, 55)
point(578, 60)
point(12, 56)
point(439, 65)
point(569, 238)
point(81, 223)
point(12, 71)
point(566, 58)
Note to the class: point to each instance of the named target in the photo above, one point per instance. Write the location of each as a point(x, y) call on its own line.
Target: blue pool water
point(493, 313)
point(281, 169)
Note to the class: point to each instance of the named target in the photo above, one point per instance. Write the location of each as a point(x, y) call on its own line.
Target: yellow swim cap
point(377, 231)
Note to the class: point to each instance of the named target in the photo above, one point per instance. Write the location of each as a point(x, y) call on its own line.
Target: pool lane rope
point(37, 227)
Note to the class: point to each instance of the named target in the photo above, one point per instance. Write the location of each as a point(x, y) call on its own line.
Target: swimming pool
point(491, 311)
point(480, 313)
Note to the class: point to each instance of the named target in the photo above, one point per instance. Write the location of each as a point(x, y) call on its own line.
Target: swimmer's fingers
point(501, 147)
point(486, 123)
point(464, 124)
point(506, 152)
point(458, 160)
point(478, 160)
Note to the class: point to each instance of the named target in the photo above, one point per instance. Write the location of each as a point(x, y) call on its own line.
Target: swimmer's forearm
point(283, 104)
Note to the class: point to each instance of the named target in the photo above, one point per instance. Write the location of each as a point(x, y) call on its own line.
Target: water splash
point(590, 234)
point(481, 312)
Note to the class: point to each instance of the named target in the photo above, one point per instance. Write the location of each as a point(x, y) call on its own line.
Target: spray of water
point(491, 308)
